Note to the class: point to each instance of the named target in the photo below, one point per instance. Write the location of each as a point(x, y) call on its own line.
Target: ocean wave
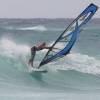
point(70, 70)
point(35, 28)
point(73, 61)
point(11, 49)
point(79, 62)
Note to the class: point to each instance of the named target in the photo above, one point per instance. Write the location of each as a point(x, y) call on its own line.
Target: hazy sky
point(44, 8)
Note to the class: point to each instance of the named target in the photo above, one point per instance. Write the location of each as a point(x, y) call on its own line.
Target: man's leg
point(33, 52)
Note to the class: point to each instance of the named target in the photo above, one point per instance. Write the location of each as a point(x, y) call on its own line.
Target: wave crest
point(35, 28)
point(11, 49)
point(79, 62)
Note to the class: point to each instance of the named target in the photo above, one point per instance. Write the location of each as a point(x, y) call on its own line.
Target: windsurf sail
point(66, 40)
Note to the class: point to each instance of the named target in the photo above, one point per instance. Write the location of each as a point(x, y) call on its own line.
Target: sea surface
point(74, 77)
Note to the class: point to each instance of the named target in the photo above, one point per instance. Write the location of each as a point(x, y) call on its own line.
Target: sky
point(44, 8)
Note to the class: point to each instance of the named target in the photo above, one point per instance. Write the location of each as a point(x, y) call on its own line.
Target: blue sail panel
point(66, 40)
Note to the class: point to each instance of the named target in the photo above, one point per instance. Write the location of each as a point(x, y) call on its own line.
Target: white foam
point(10, 49)
point(36, 28)
point(79, 62)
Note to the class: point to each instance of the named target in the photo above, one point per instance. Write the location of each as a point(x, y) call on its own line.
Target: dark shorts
point(34, 49)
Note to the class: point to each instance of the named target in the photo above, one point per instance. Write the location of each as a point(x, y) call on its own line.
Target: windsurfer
point(33, 52)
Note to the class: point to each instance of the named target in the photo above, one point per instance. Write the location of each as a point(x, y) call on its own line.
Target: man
point(33, 52)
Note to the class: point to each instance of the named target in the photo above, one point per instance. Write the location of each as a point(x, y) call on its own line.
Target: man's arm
point(47, 47)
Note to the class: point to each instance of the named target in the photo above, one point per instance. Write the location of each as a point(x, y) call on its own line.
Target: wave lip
point(11, 49)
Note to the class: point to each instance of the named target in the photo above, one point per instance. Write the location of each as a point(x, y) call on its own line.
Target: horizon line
point(41, 18)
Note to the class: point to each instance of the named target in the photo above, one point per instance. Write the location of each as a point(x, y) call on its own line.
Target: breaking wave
point(35, 28)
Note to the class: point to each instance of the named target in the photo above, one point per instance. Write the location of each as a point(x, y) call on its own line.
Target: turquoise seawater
point(74, 77)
